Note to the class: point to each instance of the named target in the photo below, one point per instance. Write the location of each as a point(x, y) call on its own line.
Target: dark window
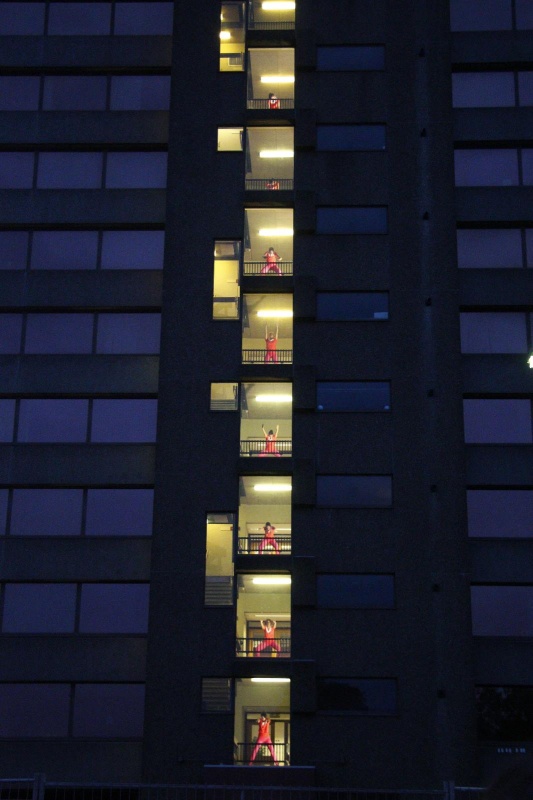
point(79, 19)
point(493, 332)
point(10, 333)
point(22, 19)
point(524, 14)
point(351, 220)
point(143, 19)
point(16, 170)
point(7, 420)
point(216, 694)
point(39, 608)
point(354, 491)
point(124, 420)
point(352, 306)
point(489, 249)
point(34, 710)
point(74, 92)
point(483, 89)
point(4, 497)
point(119, 512)
point(136, 171)
point(19, 92)
point(497, 421)
point(485, 167)
point(108, 710)
point(500, 513)
point(527, 167)
point(114, 608)
point(525, 88)
point(52, 420)
point(140, 92)
point(128, 333)
point(357, 695)
point(13, 249)
point(350, 137)
point(353, 57)
point(529, 246)
point(502, 610)
point(64, 250)
point(133, 249)
point(46, 512)
point(481, 15)
point(504, 713)
point(59, 333)
point(69, 171)
point(355, 591)
point(353, 396)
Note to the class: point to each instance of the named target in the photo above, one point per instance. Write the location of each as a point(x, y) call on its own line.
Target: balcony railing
point(268, 184)
point(263, 648)
point(256, 544)
point(243, 752)
point(260, 268)
point(262, 356)
point(261, 448)
point(263, 103)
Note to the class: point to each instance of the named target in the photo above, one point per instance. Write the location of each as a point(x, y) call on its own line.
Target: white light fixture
point(270, 680)
point(225, 35)
point(274, 398)
point(530, 361)
point(277, 79)
point(274, 314)
point(276, 154)
point(272, 580)
point(275, 232)
point(273, 487)
point(278, 5)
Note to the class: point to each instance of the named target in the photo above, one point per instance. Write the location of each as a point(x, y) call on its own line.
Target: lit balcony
point(266, 419)
point(269, 159)
point(271, 78)
point(266, 230)
point(271, 15)
point(232, 36)
point(267, 327)
point(256, 648)
point(284, 268)
point(255, 545)
point(269, 448)
point(263, 757)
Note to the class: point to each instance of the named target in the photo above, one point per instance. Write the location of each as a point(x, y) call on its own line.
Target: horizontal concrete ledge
point(240, 775)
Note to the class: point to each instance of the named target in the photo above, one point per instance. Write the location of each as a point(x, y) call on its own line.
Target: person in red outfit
point(270, 443)
point(271, 258)
point(272, 184)
point(271, 343)
point(263, 737)
point(269, 627)
point(268, 540)
point(273, 101)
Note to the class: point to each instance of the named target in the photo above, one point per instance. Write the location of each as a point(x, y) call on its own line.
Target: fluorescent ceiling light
point(277, 79)
point(272, 580)
point(274, 398)
point(270, 680)
point(274, 313)
point(276, 154)
point(276, 232)
point(273, 487)
point(225, 35)
point(530, 361)
point(278, 5)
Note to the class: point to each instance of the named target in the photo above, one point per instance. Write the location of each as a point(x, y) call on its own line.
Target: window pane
point(525, 88)
point(119, 512)
point(353, 396)
point(351, 220)
point(354, 491)
point(224, 397)
point(524, 14)
point(30, 710)
point(488, 249)
point(22, 19)
point(480, 15)
point(505, 713)
point(39, 607)
point(502, 610)
point(46, 512)
point(357, 695)
point(230, 140)
point(350, 137)
point(493, 332)
point(351, 58)
point(133, 249)
point(143, 19)
point(355, 591)
point(7, 420)
point(64, 250)
point(13, 249)
point(497, 421)
point(59, 333)
point(486, 167)
point(527, 167)
point(69, 171)
point(52, 421)
point(124, 421)
point(348, 306)
point(109, 710)
point(529, 246)
point(79, 19)
point(10, 333)
point(114, 608)
point(500, 513)
point(16, 170)
point(128, 333)
point(19, 93)
point(216, 694)
point(4, 497)
point(74, 93)
point(140, 92)
point(136, 171)
point(483, 89)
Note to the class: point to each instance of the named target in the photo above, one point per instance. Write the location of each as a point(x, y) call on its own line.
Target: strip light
point(276, 79)
point(275, 232)
point(276, 154)
point(270, 680)
point(274, 398)
point(278, 5)
point(225, 35)
point(279, 313)
point(272, 580)
point(273, 487)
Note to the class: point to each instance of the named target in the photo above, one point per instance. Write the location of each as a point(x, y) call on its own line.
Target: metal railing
point(260, 268)
point(262, 103)
point(261, 448)
point(245, 751)
point(263, 648)
point(262, 356)
point(268, 184)
point(258, 544)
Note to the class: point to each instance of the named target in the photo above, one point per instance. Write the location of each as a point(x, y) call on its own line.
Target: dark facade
point(381, 149)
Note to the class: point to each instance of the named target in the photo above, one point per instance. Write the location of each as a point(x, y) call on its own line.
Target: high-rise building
point(266, 421)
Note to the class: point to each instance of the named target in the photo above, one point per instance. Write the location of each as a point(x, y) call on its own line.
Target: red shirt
point(264, 729)
point(271, 344)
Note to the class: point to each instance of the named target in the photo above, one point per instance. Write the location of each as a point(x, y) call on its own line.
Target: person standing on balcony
point(268, 540)
point(273, 101)
point(269, 642)
point(263, 738)
point(272, 184)
point(271, 258)
point(270, 442)
point(271, 343)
